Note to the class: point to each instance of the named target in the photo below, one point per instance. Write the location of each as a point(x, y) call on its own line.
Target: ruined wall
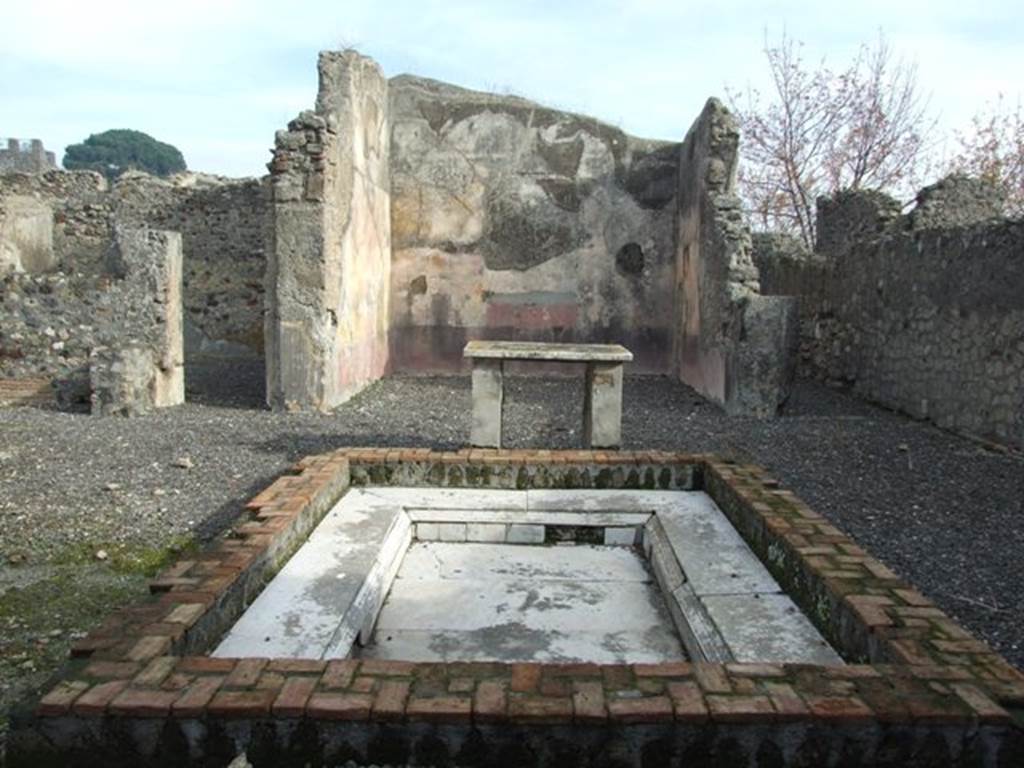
point(329, 265)
point(26, 235)
point(56, 296)
point(224, 224)
point(52, 319)
point(140, 364)
point(80, 204)
point(787, 268)
point(514, 221)
point(732, 344)
point(923, 313)
point(26, 157)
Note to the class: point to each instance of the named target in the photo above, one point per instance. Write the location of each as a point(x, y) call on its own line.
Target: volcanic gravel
point(944, 512)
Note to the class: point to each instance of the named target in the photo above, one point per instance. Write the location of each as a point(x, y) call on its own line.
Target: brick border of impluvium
point(915, 675)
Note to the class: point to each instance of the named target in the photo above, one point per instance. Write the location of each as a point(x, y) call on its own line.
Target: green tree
point(114, 152)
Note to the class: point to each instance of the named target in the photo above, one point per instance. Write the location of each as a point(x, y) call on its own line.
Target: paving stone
point(768, 628)
point(486, 532)
point(620, 537)
point(428, 531)
point(499, 602)
point(451, 532)
point(342, 556)
point(525, 534)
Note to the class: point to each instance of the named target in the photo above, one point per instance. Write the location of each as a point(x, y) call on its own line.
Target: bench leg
point(602, 406)
point(488, 393)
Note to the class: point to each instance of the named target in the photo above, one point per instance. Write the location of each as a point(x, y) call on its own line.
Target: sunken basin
point(545, 575)
point(526, 608)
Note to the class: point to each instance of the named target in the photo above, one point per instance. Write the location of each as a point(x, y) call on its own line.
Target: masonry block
point(142, 367)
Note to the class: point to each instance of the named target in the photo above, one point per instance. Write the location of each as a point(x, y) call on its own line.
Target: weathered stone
point(488, 398)
point(122, 381)
point(957, 201)
point(733, 345)
point(602, 406)
point(26, 235)
point(764, 365)
point(515, 213)
point(563, 353)
point(329, 267)
point(143, 366)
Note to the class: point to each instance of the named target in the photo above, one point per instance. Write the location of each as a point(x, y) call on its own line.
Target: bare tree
point(819, 131)
point(993, 149)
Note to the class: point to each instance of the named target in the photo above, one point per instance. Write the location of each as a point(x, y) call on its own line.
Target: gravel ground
point(942, 511)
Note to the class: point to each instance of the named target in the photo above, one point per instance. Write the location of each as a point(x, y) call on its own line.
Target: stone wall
point(923, 313)
point(224, 224)
point(26, 157)
point(55, 233)
point(26, 235)
point(515, 221)
point(329, 265)
point(732, 344)
point(141, 364)
point(80, 205)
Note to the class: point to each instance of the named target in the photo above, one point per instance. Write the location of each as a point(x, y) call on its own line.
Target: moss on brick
point(129, 558)
point(436, 474)
point(455, 476)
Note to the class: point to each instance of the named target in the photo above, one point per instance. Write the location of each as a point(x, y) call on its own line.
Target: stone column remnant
point(328, 271)
point(141, 364)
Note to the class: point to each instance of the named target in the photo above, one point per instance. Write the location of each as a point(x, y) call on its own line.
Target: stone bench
point(602, 400)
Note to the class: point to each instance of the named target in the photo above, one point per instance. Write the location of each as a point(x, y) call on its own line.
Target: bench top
point(536, 350)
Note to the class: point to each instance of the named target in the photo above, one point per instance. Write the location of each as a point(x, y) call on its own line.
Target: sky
point(217, 78)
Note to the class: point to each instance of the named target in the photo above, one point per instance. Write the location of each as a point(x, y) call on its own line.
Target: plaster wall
point(732, 344)
point(514, 221)
point(330, 262)
point(26, 235)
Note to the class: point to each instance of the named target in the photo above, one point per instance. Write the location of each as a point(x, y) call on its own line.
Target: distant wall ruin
point(56, 230)
point(922, 312)
point(224, 225)
point(26, 157)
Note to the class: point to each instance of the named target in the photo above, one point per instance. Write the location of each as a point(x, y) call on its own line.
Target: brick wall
point(918, 690)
